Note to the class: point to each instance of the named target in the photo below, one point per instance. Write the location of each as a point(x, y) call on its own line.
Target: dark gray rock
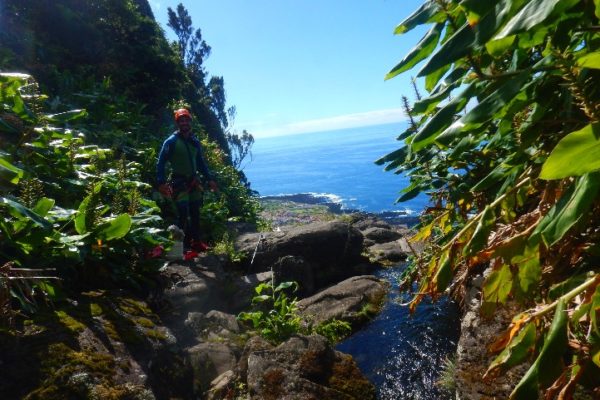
point(329, 249)
point(354, 300)
point(209, 360)
point(305, 367)
point(387, 253)
point(381, 235)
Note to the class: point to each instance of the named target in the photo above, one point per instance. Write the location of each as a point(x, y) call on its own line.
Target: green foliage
point(57, 208)
point(506, 144)
point(276, 317)
point(334, 331)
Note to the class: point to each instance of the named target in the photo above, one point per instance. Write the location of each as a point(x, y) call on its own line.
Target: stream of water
point(401, 354)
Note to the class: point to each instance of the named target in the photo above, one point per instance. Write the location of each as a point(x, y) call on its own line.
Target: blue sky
point(294, 66)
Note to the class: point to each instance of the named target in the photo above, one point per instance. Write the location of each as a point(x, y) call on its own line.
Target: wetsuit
point(186, 160)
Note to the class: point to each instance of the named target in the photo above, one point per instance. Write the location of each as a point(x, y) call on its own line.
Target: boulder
point(305, 367)
point(209, 360)
point(389, 253)
point(328, 249)
point(354, 300)
point(381, 235)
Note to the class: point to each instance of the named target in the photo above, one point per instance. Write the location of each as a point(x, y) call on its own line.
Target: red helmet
point(182, 112)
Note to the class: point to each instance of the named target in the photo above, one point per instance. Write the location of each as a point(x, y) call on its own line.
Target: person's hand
point(165, 190)
point(213, 186)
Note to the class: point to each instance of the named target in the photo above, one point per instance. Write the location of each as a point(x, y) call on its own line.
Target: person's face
point(184, 124)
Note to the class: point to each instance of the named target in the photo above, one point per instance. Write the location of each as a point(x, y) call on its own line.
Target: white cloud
point(378, 117)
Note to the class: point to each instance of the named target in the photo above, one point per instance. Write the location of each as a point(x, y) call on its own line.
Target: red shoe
point(199, 246)
point(190, 255)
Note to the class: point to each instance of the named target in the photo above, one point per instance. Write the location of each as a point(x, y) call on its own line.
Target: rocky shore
point(184, 340)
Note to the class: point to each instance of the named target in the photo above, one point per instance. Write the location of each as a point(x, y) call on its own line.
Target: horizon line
point(346, 121)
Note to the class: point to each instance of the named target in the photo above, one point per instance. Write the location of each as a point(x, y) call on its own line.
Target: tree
point(507, 143)
point(192, 47)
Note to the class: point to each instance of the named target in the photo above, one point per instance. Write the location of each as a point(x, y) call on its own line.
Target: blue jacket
point(180, 157)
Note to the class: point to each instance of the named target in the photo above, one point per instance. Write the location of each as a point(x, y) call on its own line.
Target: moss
point(133, 307)
point(60, 364)
point(69, 322)
point(272, 380)
point(156, 334)
point(145, 322)
point(347, 378)
point(95, 310)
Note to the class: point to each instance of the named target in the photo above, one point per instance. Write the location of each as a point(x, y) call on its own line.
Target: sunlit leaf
point(419, 52)
point(428, 12)
point(517, 351)
point(480, 237)
point(576, 154)
point(572, 206)
point(548, 364)
point(530, 270)
point(66, 116)
point(535, 12)
point(20, 210)
point(498, 284)
point(115, 228)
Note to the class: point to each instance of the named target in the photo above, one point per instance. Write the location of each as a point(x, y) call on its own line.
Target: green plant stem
point(566, 297)
point(478, 216)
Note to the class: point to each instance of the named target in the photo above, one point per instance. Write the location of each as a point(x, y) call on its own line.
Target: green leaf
point(80, 220)
point(115, 228)
point(66, 116)
point(590, 60)
point(576, 154)
point(498, 47)
point(419, 52)
point(455, 48)
point(475, 9)
point(517, 351)
point(432, 79)
point(572, 206)
point(428, 12)
point(9, 173)
point(497, 285)
point(21, 210)
point(597, 8)
point(443, 275)
point(480, 237)
point(530, 270)
point(548, 366)
point(441, 119)
point(43, 206)
point(534, 13)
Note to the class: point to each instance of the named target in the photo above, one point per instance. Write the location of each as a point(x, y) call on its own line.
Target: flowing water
point(403, 355)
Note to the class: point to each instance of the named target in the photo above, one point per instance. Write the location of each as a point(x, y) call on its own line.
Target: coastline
point(302, 208)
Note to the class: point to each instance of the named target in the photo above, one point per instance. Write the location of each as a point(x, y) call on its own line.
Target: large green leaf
point(517, 350)
point(480, 237)
point(441, 119)
point(548, 366)
point(421, 51)
point(20, 210)
point(443, 275)
point(9, 173)
point(455, 48)
point(43, 206)
point(572, 206)
point(486, 109)
point(428, 12)
point(590, 60)
point(534, 12)
point(498, 284)
point(530, 270)
point(66, 116)
point(114, 228)
point(576, 154)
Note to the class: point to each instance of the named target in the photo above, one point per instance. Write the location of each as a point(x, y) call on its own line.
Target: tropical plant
point(65, 205)
point(506, 143)
point(276, 317)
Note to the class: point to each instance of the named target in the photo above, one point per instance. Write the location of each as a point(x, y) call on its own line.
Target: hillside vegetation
point(87, 90)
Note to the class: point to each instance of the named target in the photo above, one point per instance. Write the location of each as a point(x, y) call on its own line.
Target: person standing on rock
point(189, 171)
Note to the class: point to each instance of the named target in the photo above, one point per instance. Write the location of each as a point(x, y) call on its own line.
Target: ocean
point(336, 165)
